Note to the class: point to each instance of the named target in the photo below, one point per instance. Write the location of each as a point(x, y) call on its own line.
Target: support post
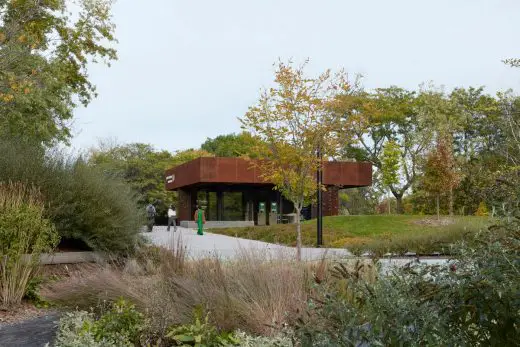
point(319, 207)
point(220, 206)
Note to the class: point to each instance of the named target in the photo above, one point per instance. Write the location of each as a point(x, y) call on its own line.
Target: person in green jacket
point(199, 218)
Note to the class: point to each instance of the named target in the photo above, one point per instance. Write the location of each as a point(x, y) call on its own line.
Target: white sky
point(188, 69)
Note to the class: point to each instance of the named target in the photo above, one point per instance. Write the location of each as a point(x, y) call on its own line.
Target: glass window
point(232, 206)
point(208, 201)
point(211, 210)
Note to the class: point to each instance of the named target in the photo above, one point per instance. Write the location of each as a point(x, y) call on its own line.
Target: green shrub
point(482, 209)
point(32, 292)
point(122, 321)
point(263, 341)
point(121, 326)
point(425, 242)
point(200, 333)
point(83, 202)
point(474, 302)
point(24, 234)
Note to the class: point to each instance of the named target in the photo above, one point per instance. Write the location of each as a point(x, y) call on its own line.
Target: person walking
point(199, 218)
point(150, 212)
point(172, 218)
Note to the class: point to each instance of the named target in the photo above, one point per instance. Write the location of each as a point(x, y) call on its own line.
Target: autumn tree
point(44, 54)
point(294, 120)
point(441, 175)
point(446, 120)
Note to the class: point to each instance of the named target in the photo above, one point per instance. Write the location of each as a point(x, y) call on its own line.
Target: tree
point(359, 201)
point(478, 114)
point(504, 178)
point(441, 174)
point(390, 165)
point(43, 63)
point(143, 168)
point(233, 145)
point(387, 114)
point(294, 120)
point(477, 137)
point(446, 120)
point(513, 62)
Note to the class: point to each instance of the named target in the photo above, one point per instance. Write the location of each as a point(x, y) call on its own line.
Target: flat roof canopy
point(242, 171)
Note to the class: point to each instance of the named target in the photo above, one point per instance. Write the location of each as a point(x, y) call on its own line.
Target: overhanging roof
point(241, 171)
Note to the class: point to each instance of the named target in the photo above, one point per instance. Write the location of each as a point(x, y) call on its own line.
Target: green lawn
point(377, 233)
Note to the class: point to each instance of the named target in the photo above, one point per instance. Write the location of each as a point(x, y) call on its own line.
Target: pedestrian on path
point(172, 218)
point(199, 218)
point(150, 212)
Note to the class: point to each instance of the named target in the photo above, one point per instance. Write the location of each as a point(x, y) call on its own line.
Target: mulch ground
point(19, 313)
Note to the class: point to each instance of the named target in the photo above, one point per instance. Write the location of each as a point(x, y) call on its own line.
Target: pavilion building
point(233, 192)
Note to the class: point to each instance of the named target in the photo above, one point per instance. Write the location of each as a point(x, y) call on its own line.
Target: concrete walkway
point(223, 246)
point(227, 247)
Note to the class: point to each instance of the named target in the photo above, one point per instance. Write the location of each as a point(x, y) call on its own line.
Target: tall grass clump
point(25, 233)
point(249, 293)
point(83, 202)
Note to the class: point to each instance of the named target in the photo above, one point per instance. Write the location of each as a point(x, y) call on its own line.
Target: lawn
point(377, 233)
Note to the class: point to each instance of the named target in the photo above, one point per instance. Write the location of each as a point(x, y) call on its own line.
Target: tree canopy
point(293, 120)
point(143, 167)
point(234, 145)
point(44, 53)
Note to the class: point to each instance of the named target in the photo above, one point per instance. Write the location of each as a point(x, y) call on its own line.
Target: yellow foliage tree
point(294, 120)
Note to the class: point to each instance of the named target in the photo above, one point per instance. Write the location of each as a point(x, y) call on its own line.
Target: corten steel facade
point(232, 188)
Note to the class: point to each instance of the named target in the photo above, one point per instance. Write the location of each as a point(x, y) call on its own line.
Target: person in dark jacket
point(150, 214)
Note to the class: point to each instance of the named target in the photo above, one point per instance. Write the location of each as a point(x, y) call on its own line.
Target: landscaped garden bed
point(377, 234)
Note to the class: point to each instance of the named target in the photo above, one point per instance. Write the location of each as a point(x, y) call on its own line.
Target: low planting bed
point(377, 234)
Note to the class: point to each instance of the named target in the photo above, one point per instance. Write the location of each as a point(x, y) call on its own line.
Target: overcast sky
point(188, 69)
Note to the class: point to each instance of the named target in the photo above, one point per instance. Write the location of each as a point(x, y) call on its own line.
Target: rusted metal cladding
point(331, 201)
point(230, 170)
point(184, 205)
point(242, 171)
point(183, 175)
point(347, 174)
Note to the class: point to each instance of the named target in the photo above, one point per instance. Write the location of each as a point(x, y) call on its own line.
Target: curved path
point(201, 246)
point(229, 247)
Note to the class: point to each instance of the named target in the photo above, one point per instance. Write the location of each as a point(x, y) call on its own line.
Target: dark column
point(193, 202)
point(220, 206)
point(208, 207)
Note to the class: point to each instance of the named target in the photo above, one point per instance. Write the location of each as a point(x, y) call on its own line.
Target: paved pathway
point(35, 332)
point(200, 246)
point(229, 247)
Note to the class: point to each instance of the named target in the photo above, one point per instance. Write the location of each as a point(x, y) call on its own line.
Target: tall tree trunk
point(298, 235)
point(399, 209)
point(438, 208)
point(451, 201)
